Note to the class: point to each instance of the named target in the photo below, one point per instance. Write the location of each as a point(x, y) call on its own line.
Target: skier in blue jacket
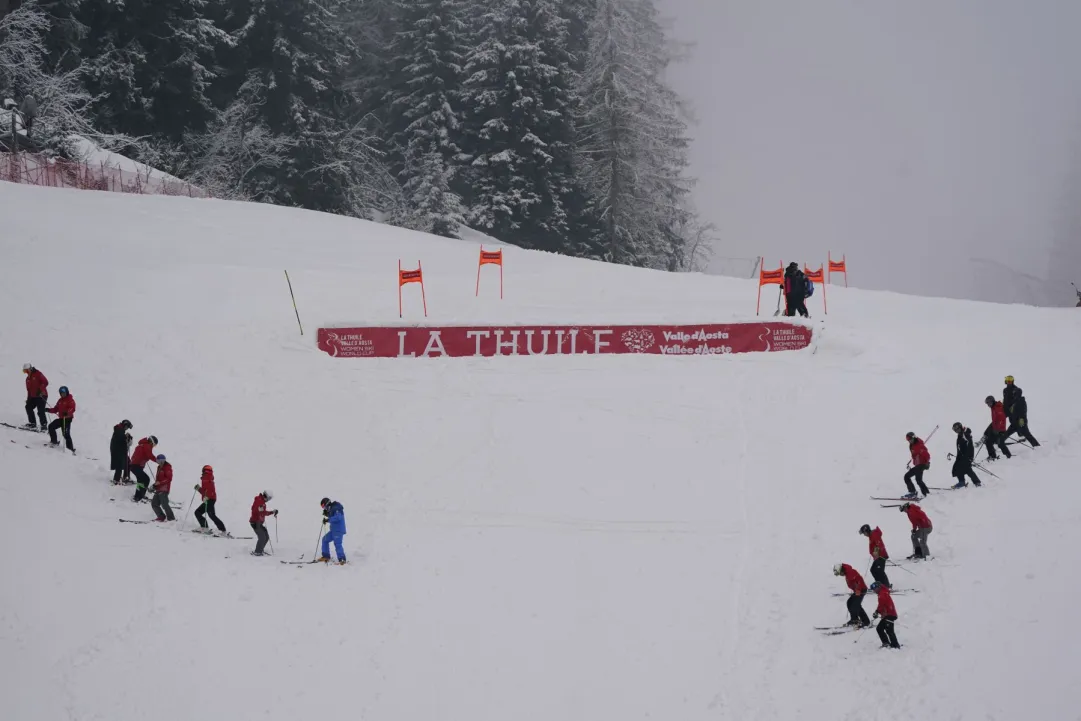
point(334, 515)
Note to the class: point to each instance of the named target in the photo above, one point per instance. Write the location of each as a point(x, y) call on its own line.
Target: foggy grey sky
point(936, 142)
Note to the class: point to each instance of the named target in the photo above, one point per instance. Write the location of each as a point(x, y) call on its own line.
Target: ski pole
point(275, 528)
point(898, 565)
point(181, 526)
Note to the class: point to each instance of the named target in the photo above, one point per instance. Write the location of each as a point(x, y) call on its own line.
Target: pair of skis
point(893, 592)
point(838, 630)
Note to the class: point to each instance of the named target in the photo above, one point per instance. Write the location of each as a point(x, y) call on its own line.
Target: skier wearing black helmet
point(877, 548)
point(966, 454)
point(64, 410)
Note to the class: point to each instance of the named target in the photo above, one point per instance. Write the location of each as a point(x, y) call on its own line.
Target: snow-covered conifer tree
point(422, 108)
point(519, 102)
point(633, 138)
point(150, 63)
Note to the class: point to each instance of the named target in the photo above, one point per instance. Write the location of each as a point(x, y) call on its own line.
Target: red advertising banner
point(487, 341)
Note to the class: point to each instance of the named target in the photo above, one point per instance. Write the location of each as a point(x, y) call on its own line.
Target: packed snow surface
point(573, 538)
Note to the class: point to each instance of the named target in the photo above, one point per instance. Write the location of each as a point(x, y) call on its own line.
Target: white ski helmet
point(838, 570)
point(28, 367)
point(267, 495)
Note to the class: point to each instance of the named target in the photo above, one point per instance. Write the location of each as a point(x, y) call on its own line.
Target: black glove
point(875, 615)
point(275, 513)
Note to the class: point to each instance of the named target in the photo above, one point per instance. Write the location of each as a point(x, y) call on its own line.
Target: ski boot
point(323, 559)
point(959, 484)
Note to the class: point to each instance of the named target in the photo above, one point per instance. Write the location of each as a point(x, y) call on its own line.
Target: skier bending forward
point(334, 514)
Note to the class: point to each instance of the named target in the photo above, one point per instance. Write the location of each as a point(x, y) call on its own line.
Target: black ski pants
point(963, 467)
point(64, 424)
point(142, 481)
point(878, 572)
point(1019, 425)
point(262, 534)
point(855, 610)
point(886, 633)
point(992, 438)
point(917, 473)
point(206, 508)
point(797, 303)
point(32, 405)
point(160, 504)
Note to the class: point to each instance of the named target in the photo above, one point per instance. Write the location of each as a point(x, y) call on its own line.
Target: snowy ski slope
point(574, 538)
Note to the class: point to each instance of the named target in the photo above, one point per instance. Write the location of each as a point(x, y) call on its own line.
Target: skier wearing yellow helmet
point(1017, 412)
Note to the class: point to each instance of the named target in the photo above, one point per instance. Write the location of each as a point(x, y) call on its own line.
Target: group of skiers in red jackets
point(921, 528)
point(1014, 408)
point(123, 466)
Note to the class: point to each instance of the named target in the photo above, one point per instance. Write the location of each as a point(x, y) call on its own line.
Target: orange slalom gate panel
point(411, 276)
point(490, 257)
point(767, 277)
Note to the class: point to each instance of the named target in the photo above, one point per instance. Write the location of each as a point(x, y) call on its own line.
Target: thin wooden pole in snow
point(294, 301)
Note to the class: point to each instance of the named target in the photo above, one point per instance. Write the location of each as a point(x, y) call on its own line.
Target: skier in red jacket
point(259, 513)
point(209, 492)
point(921, 527)
point(996, 432)
point(64, 410)
point(921, 461)
point(37, 393)
point(888, 612)
point(857, 616)
point(144, 453)
point(877, 549)
point(163, 482)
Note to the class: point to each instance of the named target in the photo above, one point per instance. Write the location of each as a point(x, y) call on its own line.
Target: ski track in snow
point(529, 538)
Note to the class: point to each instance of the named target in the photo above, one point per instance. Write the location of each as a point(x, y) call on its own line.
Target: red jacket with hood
point(998, 417)
point(920, 455)
point(854, 579)
point(885, 602)
point(36, 384)
point(207, 488)
point(65, 407)
point(144, 453)
point(164, 479)
point(917, 516)
point(875, 546)
point(258, 510)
